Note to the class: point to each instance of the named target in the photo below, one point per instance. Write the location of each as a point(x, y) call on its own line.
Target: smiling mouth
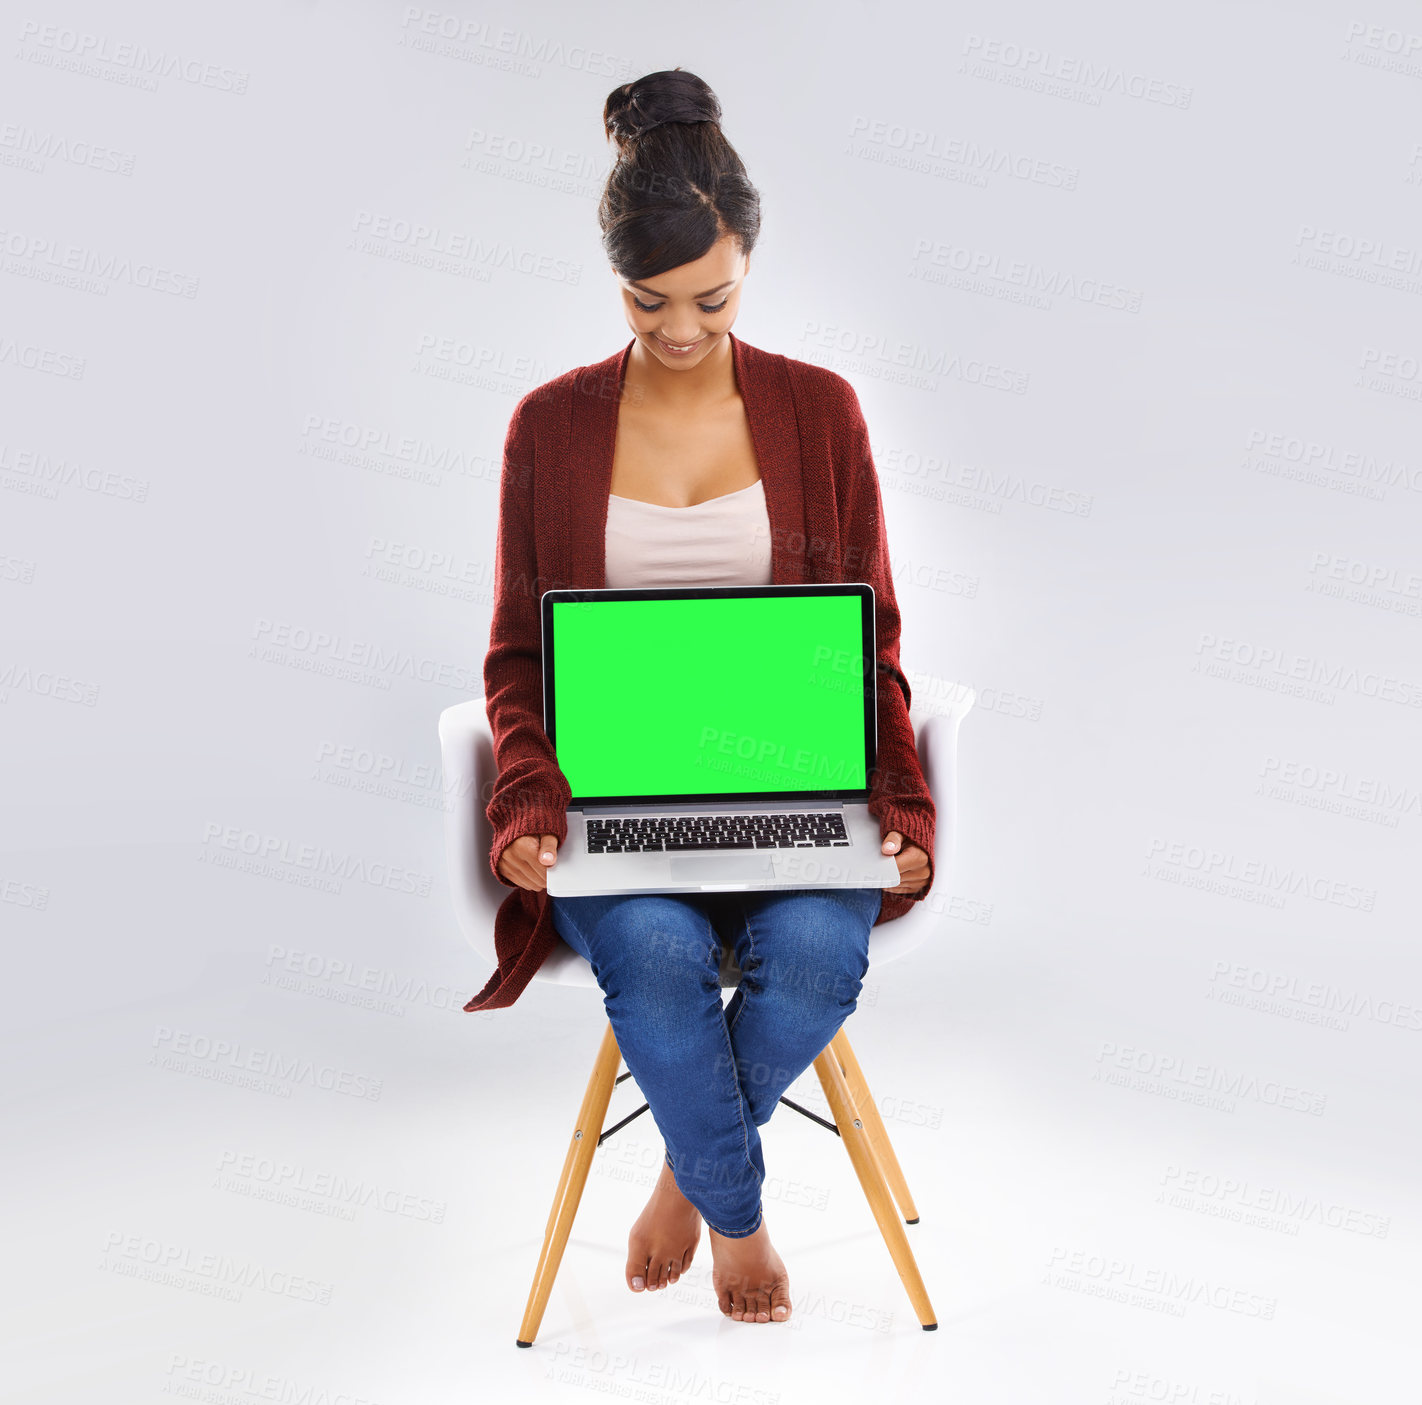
point(688, 346)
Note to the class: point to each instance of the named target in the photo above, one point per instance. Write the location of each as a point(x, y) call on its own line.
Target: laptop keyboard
point(679, 833)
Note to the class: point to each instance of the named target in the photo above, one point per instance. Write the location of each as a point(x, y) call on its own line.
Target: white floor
point(187, 1236)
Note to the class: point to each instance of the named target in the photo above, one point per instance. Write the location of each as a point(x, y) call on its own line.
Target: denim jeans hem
point(738, 1233)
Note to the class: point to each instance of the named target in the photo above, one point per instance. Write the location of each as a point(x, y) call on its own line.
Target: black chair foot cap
point(912, 1221)
point(519, 1343)
point(930, 1326)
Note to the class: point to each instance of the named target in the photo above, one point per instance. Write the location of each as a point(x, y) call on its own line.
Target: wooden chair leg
point(861, 1154)
point(874, 1125)
point(576, 1165)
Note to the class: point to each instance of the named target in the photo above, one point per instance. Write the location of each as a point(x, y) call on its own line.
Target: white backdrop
point(1130, 295)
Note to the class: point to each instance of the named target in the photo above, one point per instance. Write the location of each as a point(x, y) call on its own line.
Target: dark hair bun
point(672, 95)
point(677, 185)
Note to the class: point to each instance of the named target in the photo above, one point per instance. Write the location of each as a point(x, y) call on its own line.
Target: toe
point(738, 1308)
point(779, 1303)
point(636, 1272)
point(761, 1305)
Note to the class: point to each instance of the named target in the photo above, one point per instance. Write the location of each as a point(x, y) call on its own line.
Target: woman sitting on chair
point(701, 461)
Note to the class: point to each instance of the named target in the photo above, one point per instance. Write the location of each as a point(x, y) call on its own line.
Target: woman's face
point(682, 315)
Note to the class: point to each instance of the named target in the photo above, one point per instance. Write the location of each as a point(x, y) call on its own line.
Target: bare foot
point(662, 1242)
point(749, 1277)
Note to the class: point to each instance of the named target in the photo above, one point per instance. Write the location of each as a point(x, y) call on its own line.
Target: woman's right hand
point(525, 862)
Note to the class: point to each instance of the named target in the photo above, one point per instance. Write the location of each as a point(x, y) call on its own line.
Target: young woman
point(691, 458)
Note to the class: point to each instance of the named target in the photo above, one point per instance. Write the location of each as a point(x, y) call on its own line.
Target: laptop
point(715, 738)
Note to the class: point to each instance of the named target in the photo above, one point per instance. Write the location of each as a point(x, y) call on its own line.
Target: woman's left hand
point(914, 871)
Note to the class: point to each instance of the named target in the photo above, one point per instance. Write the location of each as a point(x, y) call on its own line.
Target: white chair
point(467, 752)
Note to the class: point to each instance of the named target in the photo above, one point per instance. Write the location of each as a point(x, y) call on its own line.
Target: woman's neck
point(710, 380)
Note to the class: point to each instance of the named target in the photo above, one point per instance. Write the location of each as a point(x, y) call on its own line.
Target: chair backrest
point(467, 755)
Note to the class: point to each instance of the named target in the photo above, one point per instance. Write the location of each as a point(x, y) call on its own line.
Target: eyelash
point(642, 307)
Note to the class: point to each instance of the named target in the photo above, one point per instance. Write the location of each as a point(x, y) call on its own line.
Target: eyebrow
point(642, 288)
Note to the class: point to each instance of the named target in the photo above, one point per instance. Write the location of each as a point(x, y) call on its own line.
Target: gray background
point(1130, 297)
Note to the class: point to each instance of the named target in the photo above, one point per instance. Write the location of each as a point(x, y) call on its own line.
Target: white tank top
point(723, 541)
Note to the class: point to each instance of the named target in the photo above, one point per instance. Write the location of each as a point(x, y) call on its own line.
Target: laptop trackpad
point(722, 868)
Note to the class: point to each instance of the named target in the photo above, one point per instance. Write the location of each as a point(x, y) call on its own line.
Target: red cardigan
point(826, 524)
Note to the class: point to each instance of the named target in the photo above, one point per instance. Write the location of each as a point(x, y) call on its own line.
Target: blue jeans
point(712, 1076)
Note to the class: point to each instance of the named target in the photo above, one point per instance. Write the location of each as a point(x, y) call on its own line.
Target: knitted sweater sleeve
point(531, 794)
point(899, 796)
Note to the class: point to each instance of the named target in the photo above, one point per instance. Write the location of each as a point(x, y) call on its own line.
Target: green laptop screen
point(709, 696)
